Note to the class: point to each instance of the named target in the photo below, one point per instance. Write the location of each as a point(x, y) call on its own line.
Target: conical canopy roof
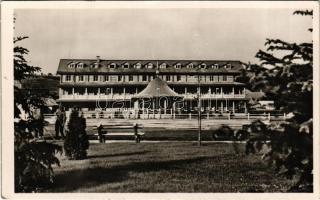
point(157, 88)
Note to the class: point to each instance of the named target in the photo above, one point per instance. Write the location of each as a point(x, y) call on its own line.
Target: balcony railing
point(129, 96)
point(214, 96)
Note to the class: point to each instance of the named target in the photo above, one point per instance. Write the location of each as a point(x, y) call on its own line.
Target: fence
point(129, 114)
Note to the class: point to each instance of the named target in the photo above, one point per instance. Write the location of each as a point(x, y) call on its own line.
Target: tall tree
point(288, 80)
point(33, 158)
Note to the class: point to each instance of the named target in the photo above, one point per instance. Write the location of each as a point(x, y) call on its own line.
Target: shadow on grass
point(119, 154)
point(95, 176)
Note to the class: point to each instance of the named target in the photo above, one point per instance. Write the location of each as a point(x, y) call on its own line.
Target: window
point(112, 65)
point(228, 66)
point(95, 65)
point(144, 78)
point(217, 91)
point(126, 66)
point(190, 65)
point(178, 77)
point(107, 91)
point(224, 78)
point(163, 66)
point(149, 66)
point(68, 77)
point(230, 78)
point(72, 65)
point(211, 78)
point(137, 66)
point(95, 78)
point(119, 78)
point(130, 77)
point(81, 78)
point(215, 66)
point(80, 65)
point(178, 66)
point(106, 78)
point(203, 66)
point(168, 77)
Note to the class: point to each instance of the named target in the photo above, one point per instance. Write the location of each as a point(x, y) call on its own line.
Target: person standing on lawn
point(136, 134)
point(37, 115)
point(60, 121)
point(100, 133)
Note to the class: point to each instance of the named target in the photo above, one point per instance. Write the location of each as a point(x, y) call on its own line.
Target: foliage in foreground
point(288, 81)
point(33, 158)
point(76, 142)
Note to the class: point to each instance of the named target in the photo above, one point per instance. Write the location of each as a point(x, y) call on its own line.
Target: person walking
point(60, 122)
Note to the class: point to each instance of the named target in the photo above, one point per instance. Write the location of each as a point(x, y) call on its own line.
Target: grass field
point(167, 167)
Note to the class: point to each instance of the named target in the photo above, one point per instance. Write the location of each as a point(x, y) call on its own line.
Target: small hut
point(157, 96)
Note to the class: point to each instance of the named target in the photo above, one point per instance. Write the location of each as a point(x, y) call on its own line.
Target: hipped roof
point(157, 88)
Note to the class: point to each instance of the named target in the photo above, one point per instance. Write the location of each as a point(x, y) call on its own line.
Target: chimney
point(98, 59)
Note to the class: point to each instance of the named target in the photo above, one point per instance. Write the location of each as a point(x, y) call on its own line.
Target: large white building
point(98, 85)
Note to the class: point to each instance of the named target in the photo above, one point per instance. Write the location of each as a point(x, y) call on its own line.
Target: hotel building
point(98, 85)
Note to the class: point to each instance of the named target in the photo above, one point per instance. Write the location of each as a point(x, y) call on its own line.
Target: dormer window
point(190, 65)
point(163, 66)
point(203, 66)
point(80, 65)
point(126, 66)
point(228, 66)
point(149, 66)
point(112, 65)
point(95, 65)
point(215, 66)
point(137, 66)
point(72, 65)
point(178, 66)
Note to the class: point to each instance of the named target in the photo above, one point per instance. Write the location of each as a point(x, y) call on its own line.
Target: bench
point(119, 130)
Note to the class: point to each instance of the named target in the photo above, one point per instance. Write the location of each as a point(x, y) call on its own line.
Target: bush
point(76, 142)
point(290, 151)
point(222, 133)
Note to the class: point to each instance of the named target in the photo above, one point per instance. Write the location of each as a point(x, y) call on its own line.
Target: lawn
point(167, 167)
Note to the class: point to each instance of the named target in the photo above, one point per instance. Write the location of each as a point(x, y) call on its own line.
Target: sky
point(189, 33)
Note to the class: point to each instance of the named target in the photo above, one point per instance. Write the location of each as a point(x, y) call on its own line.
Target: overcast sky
point(217, 34)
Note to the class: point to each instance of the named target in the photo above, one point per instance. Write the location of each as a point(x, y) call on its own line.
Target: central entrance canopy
point(157, 95)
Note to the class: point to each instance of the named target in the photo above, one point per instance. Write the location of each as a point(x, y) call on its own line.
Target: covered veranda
point(157, 99)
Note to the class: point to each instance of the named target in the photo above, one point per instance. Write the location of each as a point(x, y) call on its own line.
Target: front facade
point(96, 84)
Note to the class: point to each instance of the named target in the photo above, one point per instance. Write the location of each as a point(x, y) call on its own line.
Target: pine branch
point(303, 12)
point(17, 39)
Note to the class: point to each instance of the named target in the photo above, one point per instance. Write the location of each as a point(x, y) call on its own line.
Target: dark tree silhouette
point(76, 142)
point(33, 158)
point(288, 80)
